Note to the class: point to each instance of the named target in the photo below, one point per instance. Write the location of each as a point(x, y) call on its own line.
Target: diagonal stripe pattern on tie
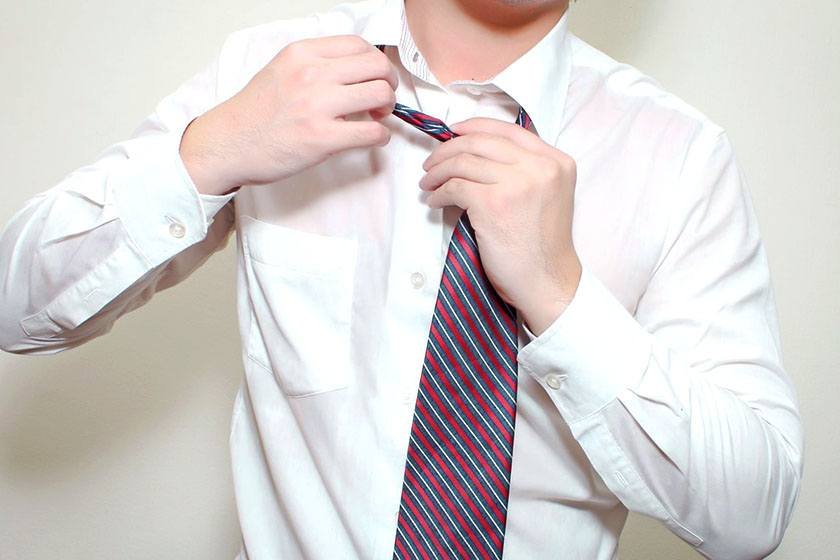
point(457, 472)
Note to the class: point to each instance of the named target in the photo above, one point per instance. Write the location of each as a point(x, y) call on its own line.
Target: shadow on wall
point(66, 411)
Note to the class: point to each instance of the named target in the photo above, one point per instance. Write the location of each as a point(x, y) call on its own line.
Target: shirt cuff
point(589, 354)
point(157, 201)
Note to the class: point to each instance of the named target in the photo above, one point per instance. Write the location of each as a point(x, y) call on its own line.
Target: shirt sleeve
point(684, 408)
point(110, 234)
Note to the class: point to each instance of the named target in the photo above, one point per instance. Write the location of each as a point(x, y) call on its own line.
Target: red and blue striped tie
point(457, 471)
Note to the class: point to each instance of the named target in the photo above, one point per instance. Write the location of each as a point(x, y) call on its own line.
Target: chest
point(361, 212)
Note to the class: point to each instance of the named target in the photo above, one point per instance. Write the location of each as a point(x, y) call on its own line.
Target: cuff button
point(554, 380)
point(177, 230)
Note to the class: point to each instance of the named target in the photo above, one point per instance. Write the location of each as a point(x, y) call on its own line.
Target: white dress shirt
point(660, 389)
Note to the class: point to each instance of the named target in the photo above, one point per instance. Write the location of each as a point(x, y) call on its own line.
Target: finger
point(380, 113)
point(362, 67)
point(357, 134)
point(524, 138)
point(464, 166)
point(489, 146)
point(455, 192)
point(352, 98)
point(332, 46)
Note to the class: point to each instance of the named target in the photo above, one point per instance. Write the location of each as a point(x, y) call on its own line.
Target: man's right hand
point(291, 115)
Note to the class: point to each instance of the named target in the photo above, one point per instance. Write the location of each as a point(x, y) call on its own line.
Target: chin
point(525, 3)
point(512, 6)
point(512, 13)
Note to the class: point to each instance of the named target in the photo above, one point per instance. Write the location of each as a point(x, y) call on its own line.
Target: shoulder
point(245, 51)
point(616, 95)
point(345, 17)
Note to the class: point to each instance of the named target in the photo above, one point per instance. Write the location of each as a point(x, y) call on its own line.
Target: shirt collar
point(538, 80)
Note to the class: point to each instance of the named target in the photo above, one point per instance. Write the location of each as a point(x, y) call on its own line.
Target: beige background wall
point(118, 449)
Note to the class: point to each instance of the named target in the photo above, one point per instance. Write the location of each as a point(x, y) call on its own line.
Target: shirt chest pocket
point(301, 293)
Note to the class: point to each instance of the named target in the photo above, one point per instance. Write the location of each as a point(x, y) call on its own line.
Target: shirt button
point(417, 280)
point(177, 230)
point(474, 90)
point(554, 380)
point(415, 57)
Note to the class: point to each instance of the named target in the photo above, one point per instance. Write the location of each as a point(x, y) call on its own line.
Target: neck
point(477, 39)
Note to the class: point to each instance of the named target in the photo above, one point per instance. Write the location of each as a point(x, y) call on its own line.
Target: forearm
point(79, 247)
point(100, 242)
point(720, 474)
point(710, 446)
point(712, 469)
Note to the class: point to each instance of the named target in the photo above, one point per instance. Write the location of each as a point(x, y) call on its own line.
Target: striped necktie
point(457, 471)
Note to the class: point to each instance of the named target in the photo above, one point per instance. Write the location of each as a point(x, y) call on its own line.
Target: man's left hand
point(518, 192)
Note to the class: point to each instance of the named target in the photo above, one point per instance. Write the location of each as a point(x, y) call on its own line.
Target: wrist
point(551, 298)
point(202, 159)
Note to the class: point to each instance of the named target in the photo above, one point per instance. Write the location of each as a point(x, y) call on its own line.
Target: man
point(609, 216)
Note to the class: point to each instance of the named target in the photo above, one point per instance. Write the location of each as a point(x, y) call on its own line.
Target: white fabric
point(660, 389)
